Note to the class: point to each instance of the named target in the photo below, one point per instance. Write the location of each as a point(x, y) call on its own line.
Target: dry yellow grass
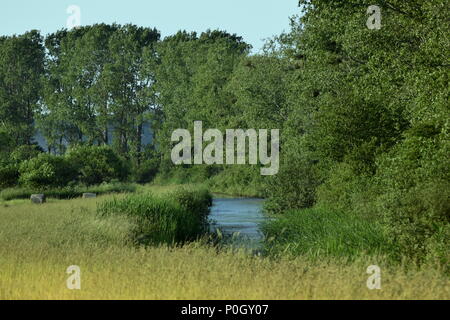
point(199, 273)
point(38, 243)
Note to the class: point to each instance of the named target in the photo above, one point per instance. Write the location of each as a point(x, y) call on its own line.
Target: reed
point(174, 217)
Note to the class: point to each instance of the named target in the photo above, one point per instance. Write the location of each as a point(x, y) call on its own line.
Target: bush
point(46, 171)
point(185, 174)
point(415, 180)
point(239, 181)
point(9, 175)
point(294, 187)
point(337, 191)
point(25, 152)
point(9, 165)
point(95, 165)
point(176, 217)
point(146, 171)
point(346, 190)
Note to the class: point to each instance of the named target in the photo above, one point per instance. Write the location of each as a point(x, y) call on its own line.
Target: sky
point(254, 20)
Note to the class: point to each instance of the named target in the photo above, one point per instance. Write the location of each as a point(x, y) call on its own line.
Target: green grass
point(174, 217)
point(321, 232)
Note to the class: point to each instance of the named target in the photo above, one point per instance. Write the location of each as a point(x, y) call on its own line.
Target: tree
point(130, 84)
point(21, 68)
point(76, 100)
point(191, 78)
point(95, 84)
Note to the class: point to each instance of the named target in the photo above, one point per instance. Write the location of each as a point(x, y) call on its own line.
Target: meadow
point(39, 242)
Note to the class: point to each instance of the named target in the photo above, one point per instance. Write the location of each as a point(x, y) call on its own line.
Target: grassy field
point(39, 242)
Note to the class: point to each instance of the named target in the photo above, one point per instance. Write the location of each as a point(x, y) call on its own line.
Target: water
point(240, 217)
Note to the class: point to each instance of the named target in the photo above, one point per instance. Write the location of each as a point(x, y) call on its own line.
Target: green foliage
point(363, 114)
point(322, 232)
point(9, 175)
point(96, 85)
point(195, 201)
point(10, 163)
point(25, 152)
point(192, 73)
point(175, 217)
point(367, 128)
point(415, 188)
point(295, 185)
point(259, 87)
point(21, 68)
point(46, 171)
point(6, 144)
point(170, 174)
point(146, 171)
point(238, 181)
point(95, 165)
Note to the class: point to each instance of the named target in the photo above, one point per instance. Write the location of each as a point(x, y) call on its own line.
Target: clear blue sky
point(253, 19)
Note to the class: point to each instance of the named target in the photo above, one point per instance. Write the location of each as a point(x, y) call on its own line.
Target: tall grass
point(175, 217)
point(198, 272)
point(321, 232)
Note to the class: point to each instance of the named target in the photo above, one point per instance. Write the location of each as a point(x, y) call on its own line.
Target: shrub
point(9, 165)
point(95, 165)
point(9, 175)
point(195, 202)
point(346, 190)
point(46, 171)
point(336, 192)
point(239, 181)
point(146, 171)
point(415, 180)
point(25, 152)
point(184, 174)
point(294, 187)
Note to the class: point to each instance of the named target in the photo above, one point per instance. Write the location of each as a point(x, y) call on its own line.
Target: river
point(241, 217)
